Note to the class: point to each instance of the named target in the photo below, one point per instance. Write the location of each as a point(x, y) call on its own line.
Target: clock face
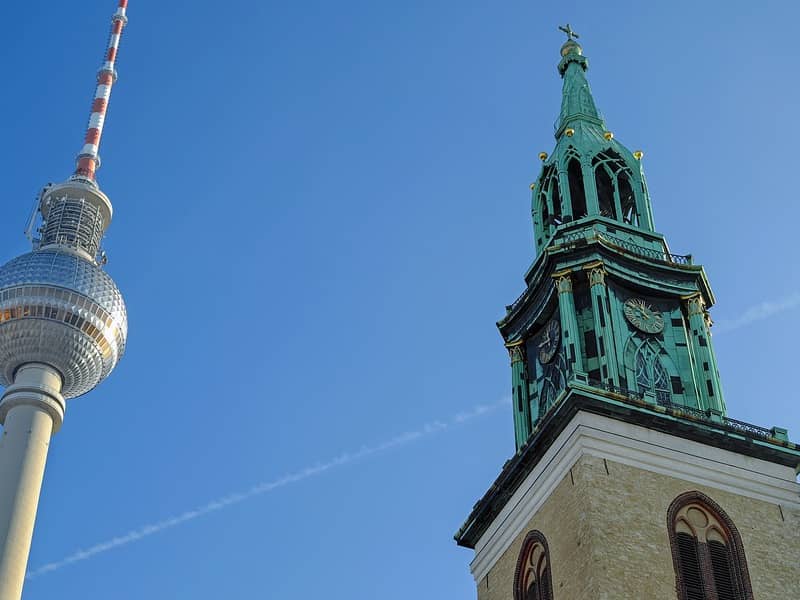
point(643, 316)
point(548, 341)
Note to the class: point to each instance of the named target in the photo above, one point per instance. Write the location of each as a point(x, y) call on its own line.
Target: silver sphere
point(58, 308)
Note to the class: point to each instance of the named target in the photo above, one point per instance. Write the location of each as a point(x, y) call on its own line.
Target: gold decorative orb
point(570, 132)
point(638, 155)
point(571, 47)
point(608, 135)
point(543, 156)
point(533, 185)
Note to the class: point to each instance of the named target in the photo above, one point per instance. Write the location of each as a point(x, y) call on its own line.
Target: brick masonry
point(606, 525)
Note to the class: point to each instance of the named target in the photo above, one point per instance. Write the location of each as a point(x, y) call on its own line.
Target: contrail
point(764, 310)
point(758, 312)
point(427, 430)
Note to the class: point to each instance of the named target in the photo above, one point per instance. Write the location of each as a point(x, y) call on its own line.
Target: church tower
point(629, 480)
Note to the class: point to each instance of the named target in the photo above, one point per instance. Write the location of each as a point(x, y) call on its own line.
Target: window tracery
point(549, 200)
point(651, 375)
point(533, 579)
point(707, 551)
point(614, 191)
point(553, 381)
point(577, 190)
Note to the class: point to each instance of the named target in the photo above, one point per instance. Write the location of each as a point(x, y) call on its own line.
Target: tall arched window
point(554, 379)
point(649, 368)
point(626, 199)
point(707, 552)
point(614, 192)
point(651, 376)
point(550, 200)
point(605, 192)
point(577, 192)
point(532, 578)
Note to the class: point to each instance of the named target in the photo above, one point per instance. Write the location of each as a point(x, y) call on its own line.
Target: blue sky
point(321, 209)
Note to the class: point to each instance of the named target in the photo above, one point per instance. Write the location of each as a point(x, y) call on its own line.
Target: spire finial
point(571, 35)
point(88, 160)
point(571, 46)
point(577, 102)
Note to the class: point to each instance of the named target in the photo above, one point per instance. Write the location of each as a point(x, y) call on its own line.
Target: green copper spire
point(609, 311)
point(577, 102)
point(611, 323)
point(590, 175)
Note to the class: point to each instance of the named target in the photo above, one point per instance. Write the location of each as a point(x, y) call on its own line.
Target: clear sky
point(321, 209)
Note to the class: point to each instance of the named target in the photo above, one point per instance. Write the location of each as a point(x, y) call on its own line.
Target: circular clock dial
point(548, 341)
point(643, 316)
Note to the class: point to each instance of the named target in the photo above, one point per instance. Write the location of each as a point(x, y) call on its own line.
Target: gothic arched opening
point(577, 192)
point(605, 192)
point(614, 191)
point(649, 368)
point(533, 579)
point(707, 551)
point(627, 200)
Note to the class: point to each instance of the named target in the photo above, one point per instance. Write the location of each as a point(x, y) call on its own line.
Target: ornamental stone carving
point(696, 306)
point(516, 353)
point(597, 276)
point(564, 284)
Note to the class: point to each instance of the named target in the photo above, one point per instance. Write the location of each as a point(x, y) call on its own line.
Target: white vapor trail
point(758, 312)
point(429, 429)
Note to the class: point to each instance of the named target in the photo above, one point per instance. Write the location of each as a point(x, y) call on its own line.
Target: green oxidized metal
point(633, 316)
point(611, 322)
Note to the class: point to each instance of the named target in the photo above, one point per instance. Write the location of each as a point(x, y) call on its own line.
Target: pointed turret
point(577, 103)
point(607, 304)
point(589, 174)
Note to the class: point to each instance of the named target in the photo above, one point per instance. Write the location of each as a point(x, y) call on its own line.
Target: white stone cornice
point(640, 447)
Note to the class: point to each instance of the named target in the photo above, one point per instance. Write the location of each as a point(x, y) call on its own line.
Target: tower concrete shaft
point(31, 410)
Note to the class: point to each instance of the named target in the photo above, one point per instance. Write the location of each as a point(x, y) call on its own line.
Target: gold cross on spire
point(568, 30)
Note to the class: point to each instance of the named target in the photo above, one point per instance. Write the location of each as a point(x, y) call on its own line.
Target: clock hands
point(545, 342)
point(643, 316)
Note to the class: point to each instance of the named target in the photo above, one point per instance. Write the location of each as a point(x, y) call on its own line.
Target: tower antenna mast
point(88, 160)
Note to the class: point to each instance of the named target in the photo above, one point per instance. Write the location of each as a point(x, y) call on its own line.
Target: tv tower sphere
point(63, 328)
point(57, 306)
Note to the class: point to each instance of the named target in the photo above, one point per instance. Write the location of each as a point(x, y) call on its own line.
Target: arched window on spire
point(544, 211)
point(627, 200)
point(605, 192)
point(614, 192)
point(577, 192)
point(555, 200)
point(707, 551)
point(550, 200)
point(651, 376)
point(532, 578)
point(650, 368)
point(553, 381)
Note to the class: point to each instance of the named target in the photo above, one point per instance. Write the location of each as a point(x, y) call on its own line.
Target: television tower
point(63, 327)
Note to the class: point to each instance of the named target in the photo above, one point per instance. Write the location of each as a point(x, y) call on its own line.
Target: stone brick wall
point(565, 521)
point(606, 525)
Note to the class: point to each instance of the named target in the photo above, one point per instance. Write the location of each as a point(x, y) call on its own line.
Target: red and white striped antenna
point(88, 161)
